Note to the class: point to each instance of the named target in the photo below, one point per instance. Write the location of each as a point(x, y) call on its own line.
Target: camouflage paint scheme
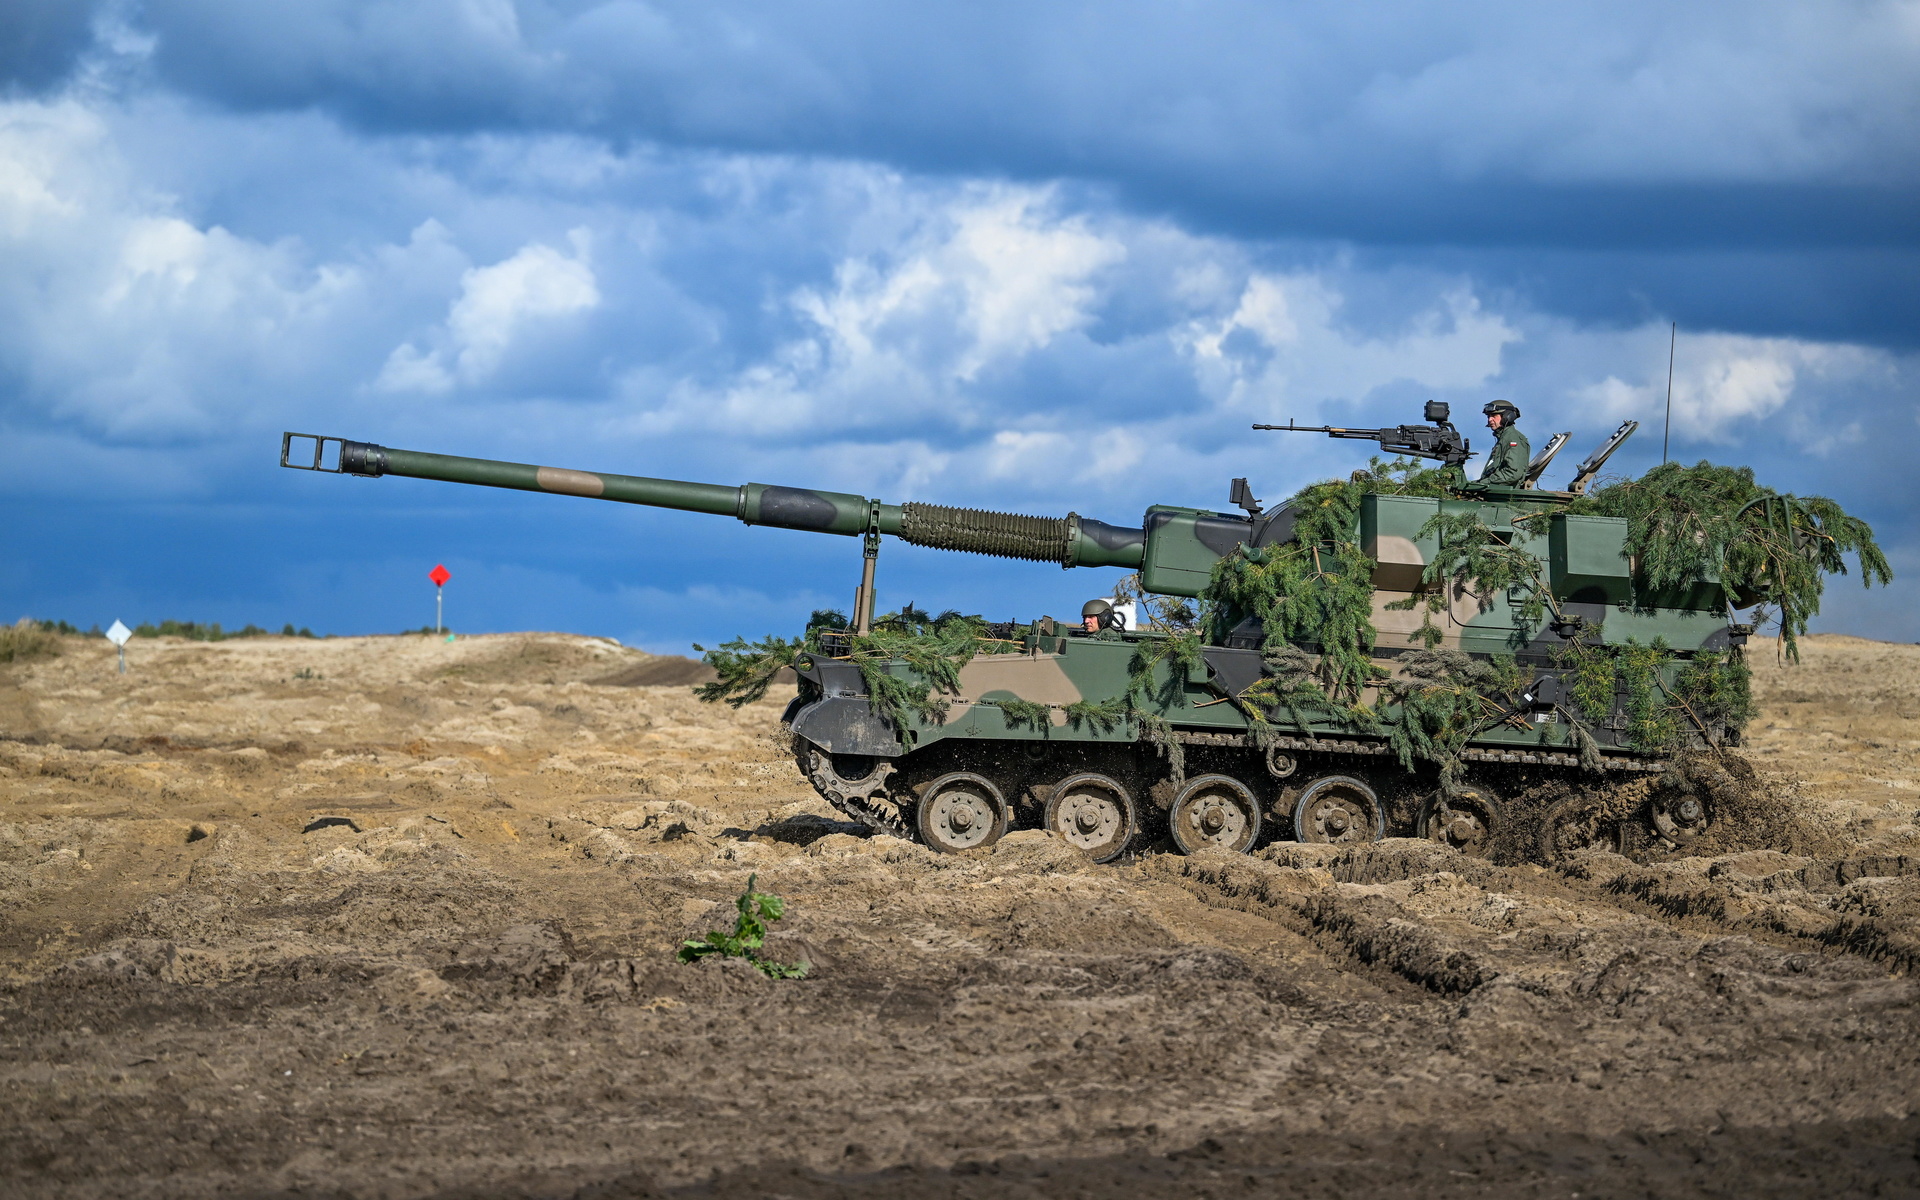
point(980, 769)
point(1581, 558)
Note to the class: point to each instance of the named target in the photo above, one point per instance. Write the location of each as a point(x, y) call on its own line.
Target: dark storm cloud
point(41, 40)
point(1616, 123)
point(1756, 131)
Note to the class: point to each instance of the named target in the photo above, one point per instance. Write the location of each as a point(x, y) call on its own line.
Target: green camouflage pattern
point(1062, 713)
point(1580, 558)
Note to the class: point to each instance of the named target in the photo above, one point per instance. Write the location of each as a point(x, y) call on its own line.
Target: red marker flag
point(439, 575)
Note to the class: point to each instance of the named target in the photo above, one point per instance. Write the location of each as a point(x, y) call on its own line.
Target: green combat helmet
point(1384, 653)
point(1096, 615)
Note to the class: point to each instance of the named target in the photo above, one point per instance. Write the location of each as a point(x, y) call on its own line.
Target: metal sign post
point(118, 635)
point(439, 575)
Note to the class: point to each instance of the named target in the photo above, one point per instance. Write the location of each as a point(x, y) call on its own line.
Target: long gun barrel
point(1071, 541)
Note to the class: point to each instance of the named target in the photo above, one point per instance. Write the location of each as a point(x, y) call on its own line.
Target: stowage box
point(1390, 535)
point(1588, 559)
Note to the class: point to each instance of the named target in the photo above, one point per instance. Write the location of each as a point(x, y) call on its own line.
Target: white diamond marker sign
point(118, 635)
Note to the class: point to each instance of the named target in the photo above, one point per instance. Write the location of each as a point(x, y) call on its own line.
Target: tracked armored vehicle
point(1112, 736)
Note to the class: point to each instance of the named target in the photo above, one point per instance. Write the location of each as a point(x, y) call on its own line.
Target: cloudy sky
point(1030, 257)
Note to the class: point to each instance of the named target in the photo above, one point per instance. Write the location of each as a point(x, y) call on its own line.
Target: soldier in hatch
point(1098, 616)
point(1507, 461)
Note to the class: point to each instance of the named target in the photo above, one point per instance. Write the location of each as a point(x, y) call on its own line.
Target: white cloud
point(497, 304)
point(1001, 270)
point(1724, 384)
point(118, 313)
point(1302, 357)
point(795, 321)
point(1043, 461)
point(977, 280)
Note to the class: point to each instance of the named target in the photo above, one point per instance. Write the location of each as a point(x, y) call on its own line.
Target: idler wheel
point(1468, 822)
point(1094, 813)
point(1215, 812)
point(960, 811)
point(1338, 809)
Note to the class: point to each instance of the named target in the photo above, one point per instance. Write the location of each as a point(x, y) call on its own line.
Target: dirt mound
point(397, 916)
point(667, 670)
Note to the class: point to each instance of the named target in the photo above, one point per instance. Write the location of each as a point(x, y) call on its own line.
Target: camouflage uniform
point(1507, 461)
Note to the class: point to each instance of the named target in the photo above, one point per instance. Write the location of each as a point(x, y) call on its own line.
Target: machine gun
point(1439, 441)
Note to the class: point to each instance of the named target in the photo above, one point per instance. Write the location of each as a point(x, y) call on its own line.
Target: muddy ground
point(396, 917)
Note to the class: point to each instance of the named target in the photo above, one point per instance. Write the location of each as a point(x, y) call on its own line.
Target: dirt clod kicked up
point(399, 917)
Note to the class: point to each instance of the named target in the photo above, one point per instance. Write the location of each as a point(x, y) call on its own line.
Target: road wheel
point(1094, 814)
point(1680, 818)
point(1467, 821)
point(960, 811)
point(1214, 812)
point(1339, 809)
point(1575, 824)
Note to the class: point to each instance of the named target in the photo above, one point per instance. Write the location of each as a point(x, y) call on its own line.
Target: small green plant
point(308, 673)
point(757, 911)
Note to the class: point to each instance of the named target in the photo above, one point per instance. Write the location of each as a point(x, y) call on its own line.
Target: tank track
point(864, 799)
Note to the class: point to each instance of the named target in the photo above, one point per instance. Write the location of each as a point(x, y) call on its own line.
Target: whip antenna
point(1673, 334)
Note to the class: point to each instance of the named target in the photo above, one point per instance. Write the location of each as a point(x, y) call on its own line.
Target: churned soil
point(396, 917)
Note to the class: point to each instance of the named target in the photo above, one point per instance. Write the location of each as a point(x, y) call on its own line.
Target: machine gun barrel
point(1441, 442)
point(1071, 541)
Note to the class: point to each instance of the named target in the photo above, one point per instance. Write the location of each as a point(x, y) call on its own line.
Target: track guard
point(847, 725)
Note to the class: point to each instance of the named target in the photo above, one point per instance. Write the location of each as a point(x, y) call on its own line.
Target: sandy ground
point(395, 917)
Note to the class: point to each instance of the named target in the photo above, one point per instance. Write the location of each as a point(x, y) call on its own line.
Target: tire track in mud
point(1342, 930)
point(1865, 906)
point(1522, 995)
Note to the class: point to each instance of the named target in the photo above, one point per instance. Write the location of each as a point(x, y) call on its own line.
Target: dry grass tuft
point(27, 640)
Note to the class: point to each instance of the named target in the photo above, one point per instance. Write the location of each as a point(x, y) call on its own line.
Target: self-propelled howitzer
point(1104, 735)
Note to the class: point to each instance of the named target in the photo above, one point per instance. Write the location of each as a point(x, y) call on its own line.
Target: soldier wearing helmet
point(1507, 462)
point(1097, 616)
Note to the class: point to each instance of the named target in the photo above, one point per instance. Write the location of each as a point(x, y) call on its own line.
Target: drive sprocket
point(863, 798)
